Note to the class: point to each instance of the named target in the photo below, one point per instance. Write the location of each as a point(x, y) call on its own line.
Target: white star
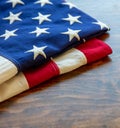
point(72, 34)
point(42, 18)
point(14, 2)
point(13, 17)
point(43, 2)
point(40, 31)
point(72, 19)
point(70, 5)
point(84, 40)
point(102, 25)
point(9, 34)
point(37, 51)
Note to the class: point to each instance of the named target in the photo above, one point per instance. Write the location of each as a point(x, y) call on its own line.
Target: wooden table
point(88, 97)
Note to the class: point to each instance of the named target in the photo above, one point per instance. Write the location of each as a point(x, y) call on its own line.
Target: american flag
point(33, 31)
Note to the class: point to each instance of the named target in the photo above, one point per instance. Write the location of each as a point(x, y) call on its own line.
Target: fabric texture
point(33, 31)
point(83, 54)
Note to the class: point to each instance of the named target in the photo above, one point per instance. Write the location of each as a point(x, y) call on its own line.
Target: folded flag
point(88, 52)
point(33, 31)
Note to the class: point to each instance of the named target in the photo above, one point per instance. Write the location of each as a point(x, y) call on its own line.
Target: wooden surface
point(88, 97)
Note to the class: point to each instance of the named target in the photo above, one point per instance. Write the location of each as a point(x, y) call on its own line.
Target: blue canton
point(33, 31)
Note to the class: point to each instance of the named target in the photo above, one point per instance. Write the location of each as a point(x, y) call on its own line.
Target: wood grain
point(88, 97)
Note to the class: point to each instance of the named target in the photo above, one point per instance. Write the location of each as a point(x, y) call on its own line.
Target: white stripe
point(7, 69)
point(13, 87)
point(70, 60)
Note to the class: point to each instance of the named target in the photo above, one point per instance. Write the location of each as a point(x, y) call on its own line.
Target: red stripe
point(94, 50)
point(39, 75)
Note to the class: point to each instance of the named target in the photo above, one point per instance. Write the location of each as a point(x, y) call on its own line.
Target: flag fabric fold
point(33, 31)
point(71, 59)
